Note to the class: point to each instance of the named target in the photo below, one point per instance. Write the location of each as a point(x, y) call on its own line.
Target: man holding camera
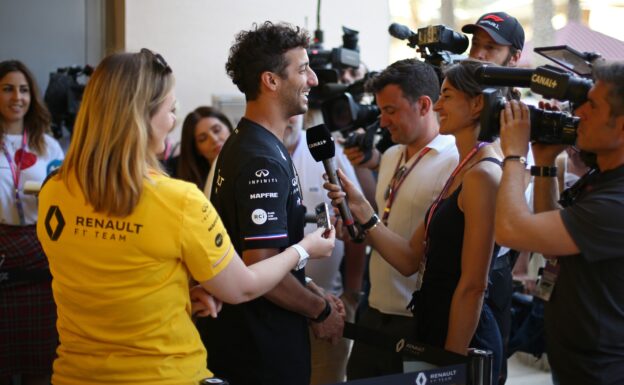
point(584, 319)
point(411, 174)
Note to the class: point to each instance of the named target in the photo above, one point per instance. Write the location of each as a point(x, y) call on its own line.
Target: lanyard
point(16, 171)
point(434, 206)
point(400, 174)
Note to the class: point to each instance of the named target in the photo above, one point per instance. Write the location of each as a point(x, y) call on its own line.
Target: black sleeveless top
point(431, 305)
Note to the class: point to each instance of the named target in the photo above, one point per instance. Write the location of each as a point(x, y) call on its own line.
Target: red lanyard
point(434, 206)
point(400, 174)
point(16, 172)
point(448, 184)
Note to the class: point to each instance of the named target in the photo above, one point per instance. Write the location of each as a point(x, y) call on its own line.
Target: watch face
point(302, 262)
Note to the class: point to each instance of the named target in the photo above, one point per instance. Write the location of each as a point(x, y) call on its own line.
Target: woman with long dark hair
point(28, 336)
point(454, 246)
point(204, 132)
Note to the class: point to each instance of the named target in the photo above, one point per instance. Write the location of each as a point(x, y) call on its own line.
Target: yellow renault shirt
point(121, 285)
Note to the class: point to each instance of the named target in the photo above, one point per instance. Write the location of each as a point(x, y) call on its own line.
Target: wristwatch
point(371, 223)
point(303, 256)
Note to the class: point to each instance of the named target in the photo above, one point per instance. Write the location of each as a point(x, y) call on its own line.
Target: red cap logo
point(493, 18)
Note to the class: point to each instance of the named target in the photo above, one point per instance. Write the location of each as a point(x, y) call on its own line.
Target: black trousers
point(499, 301)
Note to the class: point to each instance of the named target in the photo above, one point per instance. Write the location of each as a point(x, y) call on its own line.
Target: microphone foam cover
point(320, 142)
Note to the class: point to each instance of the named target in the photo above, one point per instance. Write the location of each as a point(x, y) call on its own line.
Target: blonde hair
point(109, 154)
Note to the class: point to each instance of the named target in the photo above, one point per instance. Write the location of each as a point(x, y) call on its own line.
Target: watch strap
point(303, 256)
point(371, 223)
point(548, 171)
point(324, 314)
point(519, 158)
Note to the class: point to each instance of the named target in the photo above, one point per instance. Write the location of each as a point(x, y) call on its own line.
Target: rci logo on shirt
point(54, 222)
point(219, 240)
point(259, 216)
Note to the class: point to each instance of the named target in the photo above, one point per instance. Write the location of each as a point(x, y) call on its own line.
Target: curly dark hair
point(262, 49)
point(192, 166)
point(37, 118)
point(414, 77)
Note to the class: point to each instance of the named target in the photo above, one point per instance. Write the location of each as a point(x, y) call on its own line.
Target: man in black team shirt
point(582, 234)
point(256, 192)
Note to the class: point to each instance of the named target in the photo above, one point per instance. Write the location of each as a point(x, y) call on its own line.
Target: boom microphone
point(400, 31)
point(322, 147)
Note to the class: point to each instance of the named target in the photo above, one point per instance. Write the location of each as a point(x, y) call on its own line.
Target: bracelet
point(548, 171)
point(324, 314)
point(371, 223)
point(519, 158)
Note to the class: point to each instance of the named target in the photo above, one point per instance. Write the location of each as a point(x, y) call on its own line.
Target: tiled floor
point(525, 370)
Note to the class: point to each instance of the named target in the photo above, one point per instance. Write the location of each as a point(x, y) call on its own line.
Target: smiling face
point(455, 109)
point(399, 115)
point(163, 122)
point(14, 97)
point(210, 135)
point(296, 83)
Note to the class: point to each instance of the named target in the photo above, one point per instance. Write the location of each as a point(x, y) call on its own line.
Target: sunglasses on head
point(158, 59)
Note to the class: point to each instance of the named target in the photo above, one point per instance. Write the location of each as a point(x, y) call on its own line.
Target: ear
point(515, 58)
point(269, 80)
point(424, 105)
point(476, 106)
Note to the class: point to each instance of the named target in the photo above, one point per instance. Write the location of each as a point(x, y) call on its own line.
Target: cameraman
point(405, 93)
point(584, 320)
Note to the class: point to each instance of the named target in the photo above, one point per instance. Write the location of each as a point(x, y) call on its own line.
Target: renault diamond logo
point(421, 379)
point(54, 218)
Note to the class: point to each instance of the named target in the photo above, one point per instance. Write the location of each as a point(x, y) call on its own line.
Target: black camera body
point(327, 64)
point(344, 114)
point(438, 45)
point(550, 127)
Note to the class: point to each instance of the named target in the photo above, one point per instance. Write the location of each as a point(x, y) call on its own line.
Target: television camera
point(570, 83)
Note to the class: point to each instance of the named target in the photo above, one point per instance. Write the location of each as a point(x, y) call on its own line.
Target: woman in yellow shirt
point(123, 239)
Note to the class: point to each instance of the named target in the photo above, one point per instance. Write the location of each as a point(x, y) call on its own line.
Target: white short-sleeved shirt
point(35, 168)
point(390, 290)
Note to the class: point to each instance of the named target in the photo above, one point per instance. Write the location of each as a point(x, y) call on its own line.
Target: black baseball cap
point(502, 28)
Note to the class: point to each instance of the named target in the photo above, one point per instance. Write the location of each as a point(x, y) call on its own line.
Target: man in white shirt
point(411, 175)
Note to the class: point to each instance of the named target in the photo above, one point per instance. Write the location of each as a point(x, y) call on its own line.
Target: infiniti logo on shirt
point(262, 173)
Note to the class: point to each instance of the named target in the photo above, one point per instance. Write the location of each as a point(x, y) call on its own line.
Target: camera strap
point(434, 206)
point(16, 172)
point(400, 173)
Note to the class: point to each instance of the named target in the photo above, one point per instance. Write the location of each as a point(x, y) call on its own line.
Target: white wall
point(194, 36)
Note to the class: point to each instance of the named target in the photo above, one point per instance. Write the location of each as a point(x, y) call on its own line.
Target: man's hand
point(203, 303)
point(546, 154)
point(332, 327)
point(356, 155)
point(515, 128)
